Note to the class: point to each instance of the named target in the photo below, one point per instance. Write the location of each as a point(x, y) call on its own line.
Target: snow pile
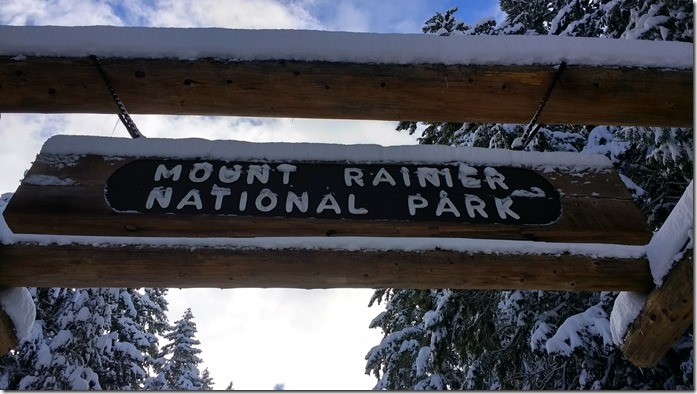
point(71, 146)
point(303, 45)
point(352, 244)
point(626, 309)
point(665, 248)
point(568, 337)
point(19, 306)
point(669, 243)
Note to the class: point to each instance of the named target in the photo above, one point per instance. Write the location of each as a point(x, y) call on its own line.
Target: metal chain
point(533, 127)
point(123, 113)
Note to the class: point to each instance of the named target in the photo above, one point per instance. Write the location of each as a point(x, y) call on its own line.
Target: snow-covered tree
point(81, 347)
point(33, 355)
point(150, 306)
point(177, 366)
point(88, 339)
point(207, 380)
point(447, 339)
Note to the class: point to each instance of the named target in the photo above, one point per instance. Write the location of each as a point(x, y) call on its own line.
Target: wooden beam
point(341, 90)
point(139, 266)
point(668, 312)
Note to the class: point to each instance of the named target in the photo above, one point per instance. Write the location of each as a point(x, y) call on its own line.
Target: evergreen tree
point(177, 366)
point(87, 339)
point(207, 380)
point(150, 306)
point(33, 356)
point(444, 339)
point(81, 346)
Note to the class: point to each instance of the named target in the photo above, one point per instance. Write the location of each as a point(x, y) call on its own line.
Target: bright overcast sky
point(306, 339)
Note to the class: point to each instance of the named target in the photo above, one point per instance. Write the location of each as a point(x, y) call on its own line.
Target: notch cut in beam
point(148, 266)
point(340, 90)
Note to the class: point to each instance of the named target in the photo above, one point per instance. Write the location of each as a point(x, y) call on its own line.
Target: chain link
point(533, 127)
point(123, 113)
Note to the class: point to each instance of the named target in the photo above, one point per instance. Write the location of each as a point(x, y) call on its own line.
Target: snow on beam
point(346, 75)
point(124, 265)
point(653, 323)
point(667, 313)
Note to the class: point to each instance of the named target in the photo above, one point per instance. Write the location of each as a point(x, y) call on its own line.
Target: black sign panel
point(449, 193)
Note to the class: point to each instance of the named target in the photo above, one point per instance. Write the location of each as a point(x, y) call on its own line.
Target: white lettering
point(493, 177)
point(266, 194)
point(353, 174)
point(161, 195)
point(286, 169)
point(474, 203)
point(503, 206)
point(261, 172)
point(464, 175)
point(243, 201)
point(428, 174)
point(300, 202)
point(445, 205)
point(193, 197)
point(207, 169)
point(352, 206)
point(328, 202)
point(446, 174)
point(383, 176)
point(219, 193)
point(416, 201)
point(405, 176)
point(229, 175)
point(163, 172)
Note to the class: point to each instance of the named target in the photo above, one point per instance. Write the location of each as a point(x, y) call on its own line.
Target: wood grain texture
point(668, 312)
point(425, 92)
point(89, 266)
point(596, 208)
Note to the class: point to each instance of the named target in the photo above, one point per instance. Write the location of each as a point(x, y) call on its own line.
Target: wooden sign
point(447, 193)
point(197, 188)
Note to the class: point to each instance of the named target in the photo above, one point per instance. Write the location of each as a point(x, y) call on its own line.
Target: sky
point(256, 338)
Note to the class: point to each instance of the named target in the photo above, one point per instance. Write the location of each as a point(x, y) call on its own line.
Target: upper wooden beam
point(346, 75)
point(427, 92)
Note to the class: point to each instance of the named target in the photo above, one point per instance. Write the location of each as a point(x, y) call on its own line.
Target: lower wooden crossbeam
point(25, 264)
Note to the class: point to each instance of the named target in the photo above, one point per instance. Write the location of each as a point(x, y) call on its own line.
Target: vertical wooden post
point(667, 313)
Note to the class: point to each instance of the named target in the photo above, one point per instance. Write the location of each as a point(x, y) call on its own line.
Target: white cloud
point(249, 14)
point(347, 16)
point(57, 12)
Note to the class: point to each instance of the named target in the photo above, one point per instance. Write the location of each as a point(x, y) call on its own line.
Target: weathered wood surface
point(138, 266)
point(596, 208)
point(426, 92)
point(667, 313)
